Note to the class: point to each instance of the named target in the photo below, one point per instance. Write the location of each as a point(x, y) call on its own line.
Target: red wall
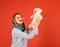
point(49, 29)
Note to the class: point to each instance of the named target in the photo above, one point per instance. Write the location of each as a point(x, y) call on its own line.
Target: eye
point(17, 17)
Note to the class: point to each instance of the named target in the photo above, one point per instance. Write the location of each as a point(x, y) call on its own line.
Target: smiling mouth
point(21, 20)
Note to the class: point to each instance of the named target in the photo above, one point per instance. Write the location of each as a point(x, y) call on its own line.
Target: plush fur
point(35, 17)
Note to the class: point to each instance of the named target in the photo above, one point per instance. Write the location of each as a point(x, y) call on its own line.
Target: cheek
point(17, 20)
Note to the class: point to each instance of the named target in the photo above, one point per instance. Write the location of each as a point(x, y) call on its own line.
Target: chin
point(20, 22)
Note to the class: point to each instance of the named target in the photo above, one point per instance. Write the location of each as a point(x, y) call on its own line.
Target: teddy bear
point(35, 17)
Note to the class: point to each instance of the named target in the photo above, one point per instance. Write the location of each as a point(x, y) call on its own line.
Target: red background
point(49, 29)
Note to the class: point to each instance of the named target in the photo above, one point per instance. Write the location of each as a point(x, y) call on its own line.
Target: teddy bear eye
point(35, 11)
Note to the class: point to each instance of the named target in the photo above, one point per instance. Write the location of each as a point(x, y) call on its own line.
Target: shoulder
point(14, 30)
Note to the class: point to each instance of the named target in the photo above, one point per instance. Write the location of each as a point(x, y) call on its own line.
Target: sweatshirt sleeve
point(18, 33)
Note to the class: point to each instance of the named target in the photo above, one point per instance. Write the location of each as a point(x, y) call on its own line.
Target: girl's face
point(19, 19)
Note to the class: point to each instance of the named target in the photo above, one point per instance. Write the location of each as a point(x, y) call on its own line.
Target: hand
point(37, 22)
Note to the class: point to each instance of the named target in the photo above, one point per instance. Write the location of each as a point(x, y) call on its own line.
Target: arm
point(31, 31)
point(19, 33)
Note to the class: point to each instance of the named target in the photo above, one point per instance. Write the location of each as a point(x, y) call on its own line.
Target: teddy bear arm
point(31, 16)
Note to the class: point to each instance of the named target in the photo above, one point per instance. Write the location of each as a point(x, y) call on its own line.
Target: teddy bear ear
point(37, 9)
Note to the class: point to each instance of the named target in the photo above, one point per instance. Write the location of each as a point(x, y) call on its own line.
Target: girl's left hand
point(37, 22)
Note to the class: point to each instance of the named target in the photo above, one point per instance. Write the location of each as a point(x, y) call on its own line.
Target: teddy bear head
point(37, 11)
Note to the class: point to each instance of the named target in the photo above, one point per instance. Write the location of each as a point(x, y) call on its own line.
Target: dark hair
point(13, 18)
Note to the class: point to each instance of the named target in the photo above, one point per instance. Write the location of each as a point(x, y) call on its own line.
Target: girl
point(20, 34)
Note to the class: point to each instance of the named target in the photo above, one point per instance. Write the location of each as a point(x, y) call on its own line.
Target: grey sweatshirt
point(19, 38)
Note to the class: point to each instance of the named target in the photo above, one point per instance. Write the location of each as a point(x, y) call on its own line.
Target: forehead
point(18, 15)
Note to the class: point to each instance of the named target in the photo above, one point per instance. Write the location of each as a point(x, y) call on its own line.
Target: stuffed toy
point(35, 17)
